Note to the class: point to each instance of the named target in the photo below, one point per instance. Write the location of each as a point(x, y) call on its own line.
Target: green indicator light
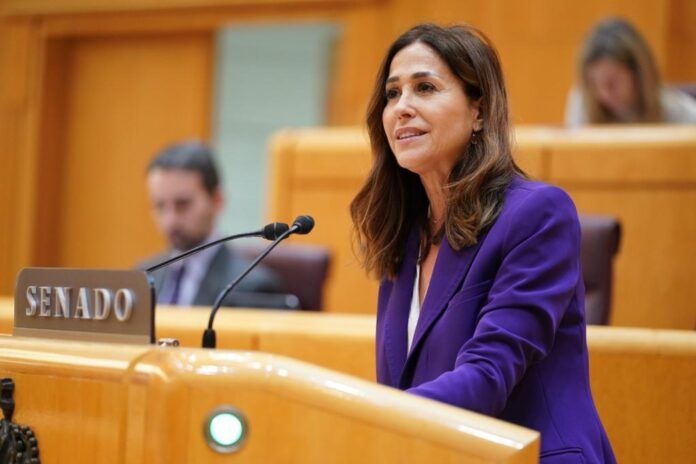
point(225, 429)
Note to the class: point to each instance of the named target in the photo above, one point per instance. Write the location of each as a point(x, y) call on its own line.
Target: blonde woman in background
point(618, 82)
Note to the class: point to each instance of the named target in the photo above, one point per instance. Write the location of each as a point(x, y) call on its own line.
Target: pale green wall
point(267, 76)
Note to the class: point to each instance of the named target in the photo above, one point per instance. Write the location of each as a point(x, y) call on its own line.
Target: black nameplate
point(85, 304)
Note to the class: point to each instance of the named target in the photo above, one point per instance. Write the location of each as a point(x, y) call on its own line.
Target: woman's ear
point(478, 116)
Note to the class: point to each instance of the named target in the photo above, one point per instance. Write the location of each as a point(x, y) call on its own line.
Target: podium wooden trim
point(92, 402)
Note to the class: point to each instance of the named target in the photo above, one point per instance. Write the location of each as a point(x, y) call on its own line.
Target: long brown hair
point(618, 40)
point(393, 201)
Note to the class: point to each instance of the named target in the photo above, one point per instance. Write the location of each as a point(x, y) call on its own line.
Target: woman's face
point(428, 118)
point(613, 85)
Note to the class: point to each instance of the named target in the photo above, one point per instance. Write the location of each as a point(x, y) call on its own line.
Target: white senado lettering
point(62, 306)
point(31, 299)
point(82, 309)
point(102, 303)
point(44, 301)
point(123, 304)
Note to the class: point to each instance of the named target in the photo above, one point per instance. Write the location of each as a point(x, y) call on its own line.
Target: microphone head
point(303, 224)
point(274, 230)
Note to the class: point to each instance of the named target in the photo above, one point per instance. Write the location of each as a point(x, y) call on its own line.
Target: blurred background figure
point(618, 81)
point(184, 189)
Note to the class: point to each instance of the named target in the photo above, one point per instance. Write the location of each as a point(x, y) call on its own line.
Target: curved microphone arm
point(301, 225)
point(183, 255)
point(209, 334)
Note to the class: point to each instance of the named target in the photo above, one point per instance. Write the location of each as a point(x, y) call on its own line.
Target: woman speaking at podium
point(481, 300)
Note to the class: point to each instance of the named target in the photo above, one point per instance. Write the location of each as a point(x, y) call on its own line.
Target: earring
point(473, 140)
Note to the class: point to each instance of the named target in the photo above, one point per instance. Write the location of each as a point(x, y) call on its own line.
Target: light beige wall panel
point(537, 40)
point(17, 61)
point(49, 157)
point(681, 43)
point(92, 6)
point(358, 55)
point(126, 98)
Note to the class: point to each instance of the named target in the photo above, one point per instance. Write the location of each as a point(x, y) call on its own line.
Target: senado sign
point(84, 304)
point(97, 303)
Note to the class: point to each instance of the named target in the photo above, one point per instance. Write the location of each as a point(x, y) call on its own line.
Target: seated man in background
point(618, 82)
point(186, 199)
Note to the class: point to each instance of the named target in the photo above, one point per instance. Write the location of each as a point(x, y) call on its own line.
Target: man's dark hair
point(189, 156)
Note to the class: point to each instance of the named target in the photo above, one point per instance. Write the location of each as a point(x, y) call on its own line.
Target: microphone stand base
point(209, 338)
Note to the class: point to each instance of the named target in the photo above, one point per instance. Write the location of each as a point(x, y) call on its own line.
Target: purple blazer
point(502, 326)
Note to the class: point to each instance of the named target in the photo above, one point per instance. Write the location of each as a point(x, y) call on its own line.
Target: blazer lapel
point(159, 280)
point(214, 280)
point(396, 313)
point(451, 267)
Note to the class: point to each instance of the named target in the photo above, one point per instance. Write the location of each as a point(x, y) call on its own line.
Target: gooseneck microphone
point(301, 225)
point(270, 232)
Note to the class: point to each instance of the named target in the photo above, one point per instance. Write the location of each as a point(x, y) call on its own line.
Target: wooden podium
point(108, 403)
point(631, 371)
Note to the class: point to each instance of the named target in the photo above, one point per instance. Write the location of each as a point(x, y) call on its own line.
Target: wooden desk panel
point(73, 398)
point(187, 325)
point(633, 155)
point(308, 179)
point(644, 175)
point(656, 262)
point(642, 383)
point(344, 342)
point(113, 403)
point(642, 379)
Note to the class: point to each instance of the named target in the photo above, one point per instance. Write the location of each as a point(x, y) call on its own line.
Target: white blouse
point(414, 312)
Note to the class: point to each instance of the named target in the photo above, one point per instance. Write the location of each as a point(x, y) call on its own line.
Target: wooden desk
point(642, 379)
point(344, 342)
point(102, 403)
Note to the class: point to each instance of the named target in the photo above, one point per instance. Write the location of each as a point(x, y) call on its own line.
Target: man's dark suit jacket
point(224, 268)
